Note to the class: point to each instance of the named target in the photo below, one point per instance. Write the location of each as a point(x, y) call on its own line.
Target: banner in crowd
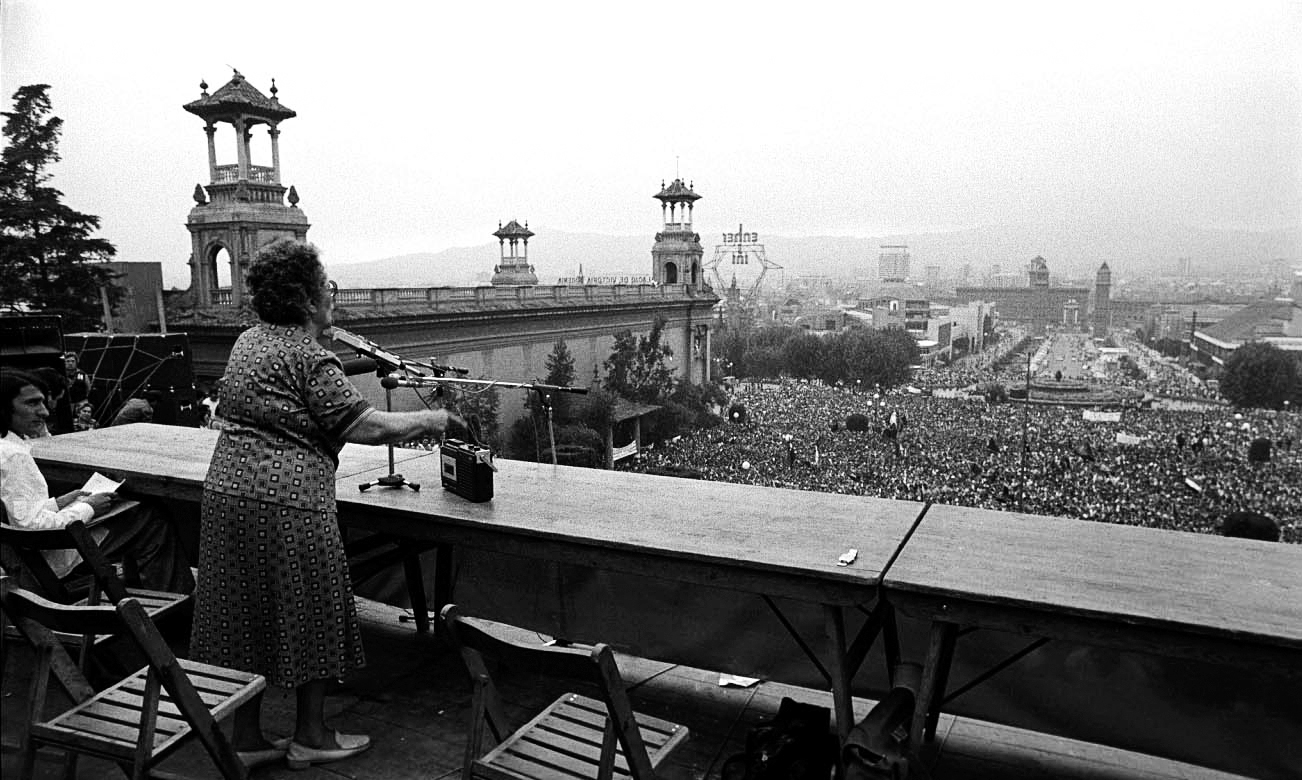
point(627, 451)
point(1095, 416)
point(1127, 438)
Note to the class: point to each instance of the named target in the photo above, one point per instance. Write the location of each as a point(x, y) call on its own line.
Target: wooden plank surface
point(1058, 568)
point(719, 526)
point(711, 530)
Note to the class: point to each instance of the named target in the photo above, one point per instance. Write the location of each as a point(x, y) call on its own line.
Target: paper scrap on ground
point(98, 483)
point(847, 557)
point(736, 680)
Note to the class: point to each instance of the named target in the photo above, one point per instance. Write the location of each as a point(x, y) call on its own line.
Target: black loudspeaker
point(1259, 450)
point(123, 365)
point(31, 341)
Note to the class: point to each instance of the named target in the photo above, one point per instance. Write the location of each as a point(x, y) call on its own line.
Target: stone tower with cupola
point(244, 205)
point(677, 255)
point(513, 269)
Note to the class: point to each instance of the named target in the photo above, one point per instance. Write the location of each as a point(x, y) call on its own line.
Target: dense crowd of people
point(1180, 470)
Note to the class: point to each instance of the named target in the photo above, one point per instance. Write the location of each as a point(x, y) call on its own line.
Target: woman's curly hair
point(284, 279)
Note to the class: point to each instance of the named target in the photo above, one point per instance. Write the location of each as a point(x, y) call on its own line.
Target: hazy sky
point(422, 124)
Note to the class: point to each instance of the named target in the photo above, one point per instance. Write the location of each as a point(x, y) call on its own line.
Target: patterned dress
point(274, 595)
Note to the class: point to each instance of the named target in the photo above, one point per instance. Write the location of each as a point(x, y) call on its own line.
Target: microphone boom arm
point(393, 361)
point(394, 380)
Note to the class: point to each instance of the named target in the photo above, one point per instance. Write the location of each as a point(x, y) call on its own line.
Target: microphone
point(390, 382)
point(359, 365)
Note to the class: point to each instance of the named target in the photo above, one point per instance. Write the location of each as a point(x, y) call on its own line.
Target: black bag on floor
point(796, 744)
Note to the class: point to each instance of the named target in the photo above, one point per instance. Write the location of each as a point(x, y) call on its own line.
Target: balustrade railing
point(436, 297)
point(230, 174)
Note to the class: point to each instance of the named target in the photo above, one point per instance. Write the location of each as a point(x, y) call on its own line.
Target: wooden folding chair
point(22, 549)
point(139, 721)
point(576, 736)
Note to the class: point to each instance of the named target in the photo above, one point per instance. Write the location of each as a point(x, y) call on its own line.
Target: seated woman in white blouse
point(142, 536)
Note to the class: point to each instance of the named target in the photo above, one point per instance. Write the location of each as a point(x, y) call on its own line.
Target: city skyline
point(419, 127)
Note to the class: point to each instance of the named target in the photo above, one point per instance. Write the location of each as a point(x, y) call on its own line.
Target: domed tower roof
point(514, 230)
point(676, 192)
point(239, 98)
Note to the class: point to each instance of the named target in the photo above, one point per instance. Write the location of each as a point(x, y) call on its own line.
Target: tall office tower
point(243, 208)
point(1102, 301)
point(893, 263)
point(676, 256)
point(1038, 271)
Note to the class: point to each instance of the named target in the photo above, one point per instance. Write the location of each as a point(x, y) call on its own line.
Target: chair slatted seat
point(577, 736)
point(23, 549)
point(138, 721)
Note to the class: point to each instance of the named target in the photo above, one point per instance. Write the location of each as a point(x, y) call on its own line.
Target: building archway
point(671, 273)
point(217, 268)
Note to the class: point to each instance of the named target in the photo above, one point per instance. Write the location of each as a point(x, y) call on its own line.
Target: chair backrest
point(593, 667)
point(26, 545)
point(38, 618)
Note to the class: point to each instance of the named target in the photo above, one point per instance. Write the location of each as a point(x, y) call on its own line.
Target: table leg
point(442, 576)
point(411, 569)
point(842, 703)
point(935, 676)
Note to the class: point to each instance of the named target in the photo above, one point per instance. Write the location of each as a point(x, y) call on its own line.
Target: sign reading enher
point(740, 237)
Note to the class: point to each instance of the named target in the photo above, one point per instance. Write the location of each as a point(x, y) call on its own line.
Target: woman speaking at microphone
point(274, 595)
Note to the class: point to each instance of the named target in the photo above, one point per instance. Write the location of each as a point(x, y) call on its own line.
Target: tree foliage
point(1261, 375)
point(49, 261)
point(560, 372)
point(636, 367)
point(864, 357)
point(484, 404)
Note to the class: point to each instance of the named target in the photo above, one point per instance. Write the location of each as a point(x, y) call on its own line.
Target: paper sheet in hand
point(98, 483)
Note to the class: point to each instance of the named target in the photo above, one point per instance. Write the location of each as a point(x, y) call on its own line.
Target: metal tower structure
point(740, 248)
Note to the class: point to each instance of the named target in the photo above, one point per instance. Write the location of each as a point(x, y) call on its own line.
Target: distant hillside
point(1131, 249)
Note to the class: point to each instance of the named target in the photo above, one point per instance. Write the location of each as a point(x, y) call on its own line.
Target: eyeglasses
point(333, 288)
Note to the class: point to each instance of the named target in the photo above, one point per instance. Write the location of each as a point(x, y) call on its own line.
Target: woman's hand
point(439, 422)
point(98, 501)
point(67, 498)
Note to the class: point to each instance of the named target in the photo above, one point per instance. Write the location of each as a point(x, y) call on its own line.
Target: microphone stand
point(392, 479)
point(389, 365)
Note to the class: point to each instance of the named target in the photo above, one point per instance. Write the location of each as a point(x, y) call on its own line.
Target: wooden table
point(768, 541)
point(1227, 601)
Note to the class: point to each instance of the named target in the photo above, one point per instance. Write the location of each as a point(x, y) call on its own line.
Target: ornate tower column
point(677, 254)
point(514, 268)
point(243, 207)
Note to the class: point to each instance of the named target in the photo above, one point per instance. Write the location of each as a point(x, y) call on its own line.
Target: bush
point(529, 442)
point(857, 422)
point(579, 435)
point(670, 420)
